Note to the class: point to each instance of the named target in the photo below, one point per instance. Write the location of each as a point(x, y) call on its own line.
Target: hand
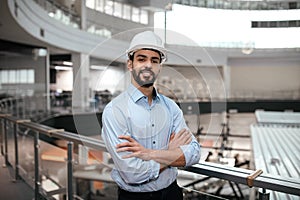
point(133, 146)
point(183, 137)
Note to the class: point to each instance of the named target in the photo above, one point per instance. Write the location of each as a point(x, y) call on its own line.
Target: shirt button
point(152, 125)
point(153, 142)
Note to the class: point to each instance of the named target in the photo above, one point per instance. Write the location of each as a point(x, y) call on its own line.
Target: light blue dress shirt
point(151, 126)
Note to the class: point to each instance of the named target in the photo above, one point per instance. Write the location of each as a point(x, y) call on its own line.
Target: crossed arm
point(136, 164)
point(173, 156)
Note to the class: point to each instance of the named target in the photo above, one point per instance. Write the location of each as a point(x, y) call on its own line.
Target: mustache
point(147, 70)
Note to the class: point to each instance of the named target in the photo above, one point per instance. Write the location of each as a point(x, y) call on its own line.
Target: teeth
point(146, 73)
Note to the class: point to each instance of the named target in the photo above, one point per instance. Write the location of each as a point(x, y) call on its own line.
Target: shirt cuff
point(190, 154)
point(154, 170)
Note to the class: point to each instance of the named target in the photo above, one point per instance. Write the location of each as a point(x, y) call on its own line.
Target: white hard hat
point(147, 40)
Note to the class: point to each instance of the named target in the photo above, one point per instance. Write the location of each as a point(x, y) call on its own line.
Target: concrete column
point(80, 97)
point(227, 80)
point(81, 10)
point(48, 81)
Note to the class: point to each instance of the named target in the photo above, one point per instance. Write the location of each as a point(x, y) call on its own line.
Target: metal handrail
point(237, 175)
point(240, 175)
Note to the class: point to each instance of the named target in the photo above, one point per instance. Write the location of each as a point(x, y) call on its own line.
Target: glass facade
point(242, 4)
point(17, 76)
point(120, 10)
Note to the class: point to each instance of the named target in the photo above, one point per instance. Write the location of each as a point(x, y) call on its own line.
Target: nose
point(148, 64)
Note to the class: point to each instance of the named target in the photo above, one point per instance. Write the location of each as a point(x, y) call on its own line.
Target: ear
point(129, 65)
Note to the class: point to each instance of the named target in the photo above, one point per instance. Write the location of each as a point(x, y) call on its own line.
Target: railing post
point(36, 166)
point(5, 143)
point(17, 107)
point(264, 195)
point(16, 151)
point(23, 107)
point(11, 106)
point(1, 136)
point(70, 171)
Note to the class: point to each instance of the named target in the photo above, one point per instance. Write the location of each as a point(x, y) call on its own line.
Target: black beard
point(147, 85)
point(142, 83)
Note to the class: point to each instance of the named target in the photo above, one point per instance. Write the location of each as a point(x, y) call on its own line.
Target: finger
point(132, 149)
point(185, 137)
point(179, 134)
point(172, 136)
point(127, 156)
point(132, 155)
point(126, 137)
point(185, 134)
point(124, 144)
point(181, 131)
point(122, 149)
point(188, 140)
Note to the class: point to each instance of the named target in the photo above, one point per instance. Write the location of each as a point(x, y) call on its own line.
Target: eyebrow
point(144, 56)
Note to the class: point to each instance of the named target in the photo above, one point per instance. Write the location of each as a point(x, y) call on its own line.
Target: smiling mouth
point(146, 73)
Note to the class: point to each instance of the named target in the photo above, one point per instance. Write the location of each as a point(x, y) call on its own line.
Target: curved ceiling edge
point(30, 21)
point(35, 22)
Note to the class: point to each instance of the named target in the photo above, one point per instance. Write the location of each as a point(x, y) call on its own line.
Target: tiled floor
point(10, 189)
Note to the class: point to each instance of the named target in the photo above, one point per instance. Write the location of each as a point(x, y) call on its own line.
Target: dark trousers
point(172, 192)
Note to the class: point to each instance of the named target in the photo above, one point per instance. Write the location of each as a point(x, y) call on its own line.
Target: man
point(145, 132)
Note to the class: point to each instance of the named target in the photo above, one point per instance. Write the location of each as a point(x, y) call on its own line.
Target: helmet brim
point(162, 51)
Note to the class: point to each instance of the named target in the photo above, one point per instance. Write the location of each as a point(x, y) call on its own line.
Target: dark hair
point(131, 56)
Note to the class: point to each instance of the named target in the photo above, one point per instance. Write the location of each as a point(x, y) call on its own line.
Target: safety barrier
point(13, 129)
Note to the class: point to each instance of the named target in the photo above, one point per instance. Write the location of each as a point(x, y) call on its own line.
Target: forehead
point(147, 53)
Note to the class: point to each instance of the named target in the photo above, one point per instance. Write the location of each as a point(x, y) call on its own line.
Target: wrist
point(153, 154)
point(163, 167)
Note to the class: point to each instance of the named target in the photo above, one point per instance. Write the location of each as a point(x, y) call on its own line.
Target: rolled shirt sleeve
point(191, 151)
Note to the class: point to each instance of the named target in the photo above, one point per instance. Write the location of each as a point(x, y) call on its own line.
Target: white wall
point(112, 78)
point(191, 83)
point(248, 77)
point(64, 81)
point(265, 77)
point(26, 62)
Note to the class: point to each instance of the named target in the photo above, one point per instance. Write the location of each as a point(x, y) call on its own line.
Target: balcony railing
point(67, 16)
point(16, 131)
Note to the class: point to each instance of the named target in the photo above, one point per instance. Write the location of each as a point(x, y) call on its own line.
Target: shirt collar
point(136, 94)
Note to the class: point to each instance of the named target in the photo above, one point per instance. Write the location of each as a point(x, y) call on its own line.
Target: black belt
point(145, 195)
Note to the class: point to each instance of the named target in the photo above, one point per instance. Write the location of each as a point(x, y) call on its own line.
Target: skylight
point(228, 28)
